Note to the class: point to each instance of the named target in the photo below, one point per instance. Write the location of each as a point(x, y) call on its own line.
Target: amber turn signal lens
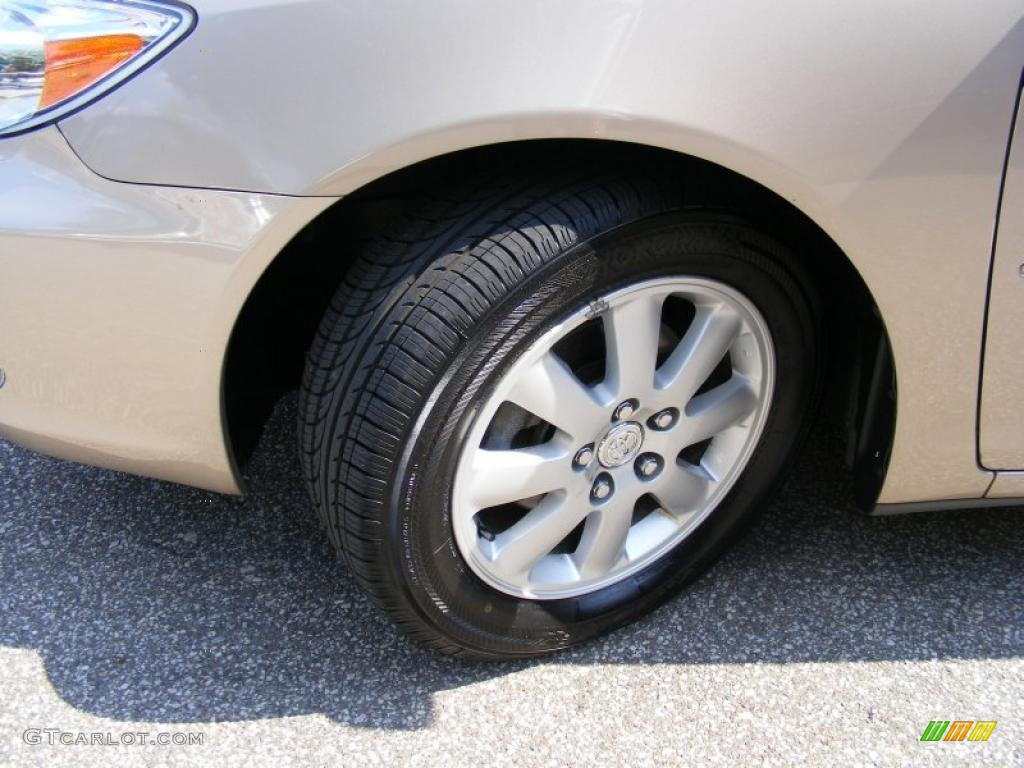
point(57, 56)
point(74, 64)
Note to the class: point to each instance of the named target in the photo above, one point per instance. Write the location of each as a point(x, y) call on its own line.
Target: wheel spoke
point(604, 538)
point(503, 476)
point(519, 548)
point(681, 490)
point(717, 409)
point(698, 353)
point(631, 333)
point(551, 391)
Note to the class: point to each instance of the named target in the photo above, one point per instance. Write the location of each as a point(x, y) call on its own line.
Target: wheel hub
point(621, 444)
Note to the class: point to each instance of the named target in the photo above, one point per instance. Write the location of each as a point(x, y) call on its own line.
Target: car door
point(1001, 429)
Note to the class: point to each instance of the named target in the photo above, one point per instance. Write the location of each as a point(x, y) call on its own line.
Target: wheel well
point(266, 354)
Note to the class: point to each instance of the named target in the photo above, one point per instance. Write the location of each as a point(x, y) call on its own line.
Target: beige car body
point(133, 232)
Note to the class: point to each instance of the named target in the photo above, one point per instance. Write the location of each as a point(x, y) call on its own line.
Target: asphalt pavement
point(131, 608)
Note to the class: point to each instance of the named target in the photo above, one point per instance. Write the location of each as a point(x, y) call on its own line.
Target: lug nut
point(602, 488)
point(625, 410)
point(663, 419)
point(584, 456)
point(648, 465)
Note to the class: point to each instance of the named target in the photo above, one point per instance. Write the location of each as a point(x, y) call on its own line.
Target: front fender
point(886, 125)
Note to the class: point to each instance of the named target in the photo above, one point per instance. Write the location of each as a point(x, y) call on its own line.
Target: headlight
point(58, 55)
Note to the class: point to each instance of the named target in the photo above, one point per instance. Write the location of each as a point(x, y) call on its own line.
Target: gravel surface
point(826, 637)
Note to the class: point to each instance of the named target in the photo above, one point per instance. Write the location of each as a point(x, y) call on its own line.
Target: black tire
point(430, 316)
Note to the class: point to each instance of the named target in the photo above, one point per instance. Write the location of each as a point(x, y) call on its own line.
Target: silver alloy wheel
point(636, 495)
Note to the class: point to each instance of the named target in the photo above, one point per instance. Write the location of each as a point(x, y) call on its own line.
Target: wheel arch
point(284, 305)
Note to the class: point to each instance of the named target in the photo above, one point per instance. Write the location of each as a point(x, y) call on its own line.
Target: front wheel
point(552, 406)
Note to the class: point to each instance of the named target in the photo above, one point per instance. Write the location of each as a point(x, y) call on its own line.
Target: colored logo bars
point(958, 730)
